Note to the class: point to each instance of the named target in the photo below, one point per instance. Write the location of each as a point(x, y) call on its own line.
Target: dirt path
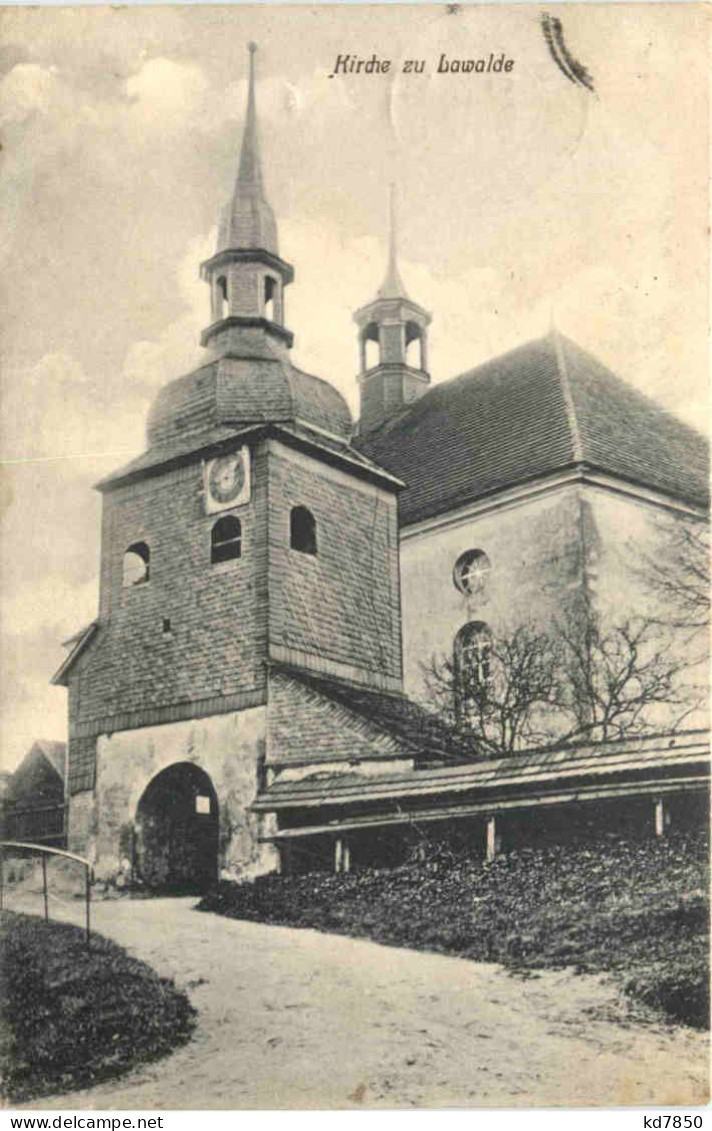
point(292, 1018)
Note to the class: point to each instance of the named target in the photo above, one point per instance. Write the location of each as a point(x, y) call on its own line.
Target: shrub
point(74, 1015)
point(636, 909)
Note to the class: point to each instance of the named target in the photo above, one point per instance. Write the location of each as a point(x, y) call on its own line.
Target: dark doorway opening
point(176, 844)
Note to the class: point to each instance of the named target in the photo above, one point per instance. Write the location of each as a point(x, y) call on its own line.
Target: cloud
point(307, 100)
point(166, 95)
point(55, 606)
point(26, 90)
point(35, 622)
point(54, 410)
point(150, 363)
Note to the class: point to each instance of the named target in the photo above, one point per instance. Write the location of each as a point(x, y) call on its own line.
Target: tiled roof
point(418, 731)
point(543, 407)
point(232, 397)
point(242, 391)
point(657, 754)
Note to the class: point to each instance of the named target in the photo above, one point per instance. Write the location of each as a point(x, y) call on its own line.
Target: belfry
point(393, 340)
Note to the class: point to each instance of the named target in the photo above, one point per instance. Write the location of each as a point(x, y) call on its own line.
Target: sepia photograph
point(355, 557)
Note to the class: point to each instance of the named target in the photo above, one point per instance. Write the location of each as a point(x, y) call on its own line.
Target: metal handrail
point(44, 852)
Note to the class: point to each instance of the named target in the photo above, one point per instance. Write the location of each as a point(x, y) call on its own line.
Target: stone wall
point(535, 555)
point(230, 748)
point(626, 537)
point(545, 551)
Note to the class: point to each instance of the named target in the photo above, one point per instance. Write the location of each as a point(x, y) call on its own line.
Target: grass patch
point(636, 909)
point(74, 1016)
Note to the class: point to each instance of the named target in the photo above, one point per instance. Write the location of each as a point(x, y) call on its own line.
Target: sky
point(522, 198)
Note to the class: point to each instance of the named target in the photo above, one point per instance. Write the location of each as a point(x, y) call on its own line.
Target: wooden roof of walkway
point(659, 764)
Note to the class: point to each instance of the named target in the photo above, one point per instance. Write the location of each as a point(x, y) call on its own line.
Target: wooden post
point(285, 859)
point(342, 855)
point(661, 817)
point(492, 838)
point(44, 886)
point(87, 896)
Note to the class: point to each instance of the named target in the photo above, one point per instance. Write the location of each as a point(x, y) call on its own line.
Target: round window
point(471, 570)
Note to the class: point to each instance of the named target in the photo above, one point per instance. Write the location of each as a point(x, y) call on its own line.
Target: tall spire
point(250, 171)
point(392, 286)
point(248, 221)
point(246, 276)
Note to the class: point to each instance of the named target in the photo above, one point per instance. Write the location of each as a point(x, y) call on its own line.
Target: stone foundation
point(230, 748)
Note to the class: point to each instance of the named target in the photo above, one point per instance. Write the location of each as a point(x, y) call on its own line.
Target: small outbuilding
point(33, 803)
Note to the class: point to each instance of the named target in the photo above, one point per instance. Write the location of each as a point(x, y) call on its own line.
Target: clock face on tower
point(227, 481)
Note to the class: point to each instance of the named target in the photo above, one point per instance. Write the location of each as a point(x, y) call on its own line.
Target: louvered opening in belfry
point(221, 303)
point(414, 346)
point(270, 298)
point(370, 347)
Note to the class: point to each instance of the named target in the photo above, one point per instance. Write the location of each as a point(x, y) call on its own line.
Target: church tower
point(249, 566)
point(393, 334)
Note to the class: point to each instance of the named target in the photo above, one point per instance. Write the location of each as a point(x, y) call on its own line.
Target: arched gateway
point(176, 845)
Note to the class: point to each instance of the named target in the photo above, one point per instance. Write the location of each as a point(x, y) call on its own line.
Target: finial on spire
point(392, 284)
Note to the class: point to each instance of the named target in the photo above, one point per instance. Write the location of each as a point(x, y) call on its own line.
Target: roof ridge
point(322, 677)
point(634, 390)
point(569, 404)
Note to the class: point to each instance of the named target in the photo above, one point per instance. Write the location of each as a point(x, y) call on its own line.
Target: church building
point(274, 576)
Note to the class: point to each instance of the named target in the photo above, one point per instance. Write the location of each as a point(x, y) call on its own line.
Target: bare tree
point(678, 576)
point(507, 700)
point(583, 680)
point(620, 680)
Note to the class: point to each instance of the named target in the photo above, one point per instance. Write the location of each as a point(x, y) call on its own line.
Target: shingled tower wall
point(249, 533)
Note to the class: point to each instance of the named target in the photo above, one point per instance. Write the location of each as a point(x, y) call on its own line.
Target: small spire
point(250, 171)
point(392, 286)
point(248, 221)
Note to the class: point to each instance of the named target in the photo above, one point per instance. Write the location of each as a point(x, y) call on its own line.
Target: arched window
point(473, 657)
point(302, 530)
point(414, 346)
point(225, 540)
point(136, 565)
point(370, 347)
point(221, 296)
point(270, 297)
point(471, 571)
